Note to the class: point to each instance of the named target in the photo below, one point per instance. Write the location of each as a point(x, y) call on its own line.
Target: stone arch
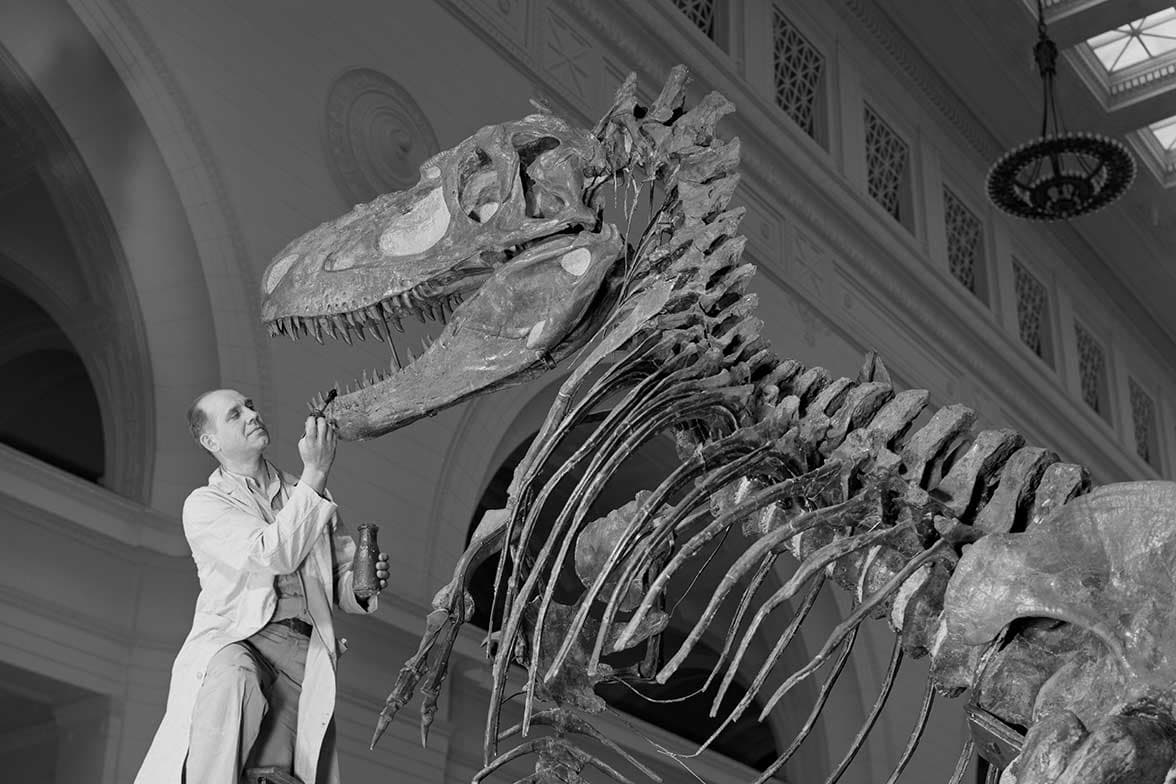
point(48, 405)
point(115, 101)
point(67, 258)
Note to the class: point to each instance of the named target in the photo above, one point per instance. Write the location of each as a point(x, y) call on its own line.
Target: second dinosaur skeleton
point(1049, 601)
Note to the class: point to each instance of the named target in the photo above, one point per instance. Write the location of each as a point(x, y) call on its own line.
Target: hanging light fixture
point(1060, 175)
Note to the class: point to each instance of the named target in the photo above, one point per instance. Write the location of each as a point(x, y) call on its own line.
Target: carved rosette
point(375, 137)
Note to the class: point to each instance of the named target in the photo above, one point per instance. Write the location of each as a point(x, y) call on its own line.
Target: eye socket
point(530, 149)
point(479, 193)
point(541, 202)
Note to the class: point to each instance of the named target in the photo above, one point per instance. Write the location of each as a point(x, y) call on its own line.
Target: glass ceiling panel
point(1136, 42)
point(1165, 133)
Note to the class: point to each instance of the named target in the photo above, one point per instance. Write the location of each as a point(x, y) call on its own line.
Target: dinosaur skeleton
point(1047, 600)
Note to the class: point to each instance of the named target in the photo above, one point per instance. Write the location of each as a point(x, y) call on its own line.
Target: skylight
point(1136, 42)
point(1165, 133)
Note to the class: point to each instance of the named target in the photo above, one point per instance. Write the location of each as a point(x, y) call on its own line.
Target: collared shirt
point(290, 588)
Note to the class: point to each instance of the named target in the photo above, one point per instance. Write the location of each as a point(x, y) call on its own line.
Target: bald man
point(253, 687)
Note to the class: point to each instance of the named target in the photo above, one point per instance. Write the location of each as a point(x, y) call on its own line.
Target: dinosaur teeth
point(318, 330)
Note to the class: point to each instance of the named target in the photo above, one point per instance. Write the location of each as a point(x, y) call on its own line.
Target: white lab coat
point(237, 556)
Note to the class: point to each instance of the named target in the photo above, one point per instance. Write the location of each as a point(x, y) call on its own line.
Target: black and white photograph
point(588, 391)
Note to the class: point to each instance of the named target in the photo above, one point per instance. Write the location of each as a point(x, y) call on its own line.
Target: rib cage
point(858, 481)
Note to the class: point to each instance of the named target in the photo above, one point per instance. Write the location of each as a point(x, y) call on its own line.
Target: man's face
point(235, 430)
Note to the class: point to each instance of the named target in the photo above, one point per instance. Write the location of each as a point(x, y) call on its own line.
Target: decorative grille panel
point(1092, 370)
point(964, 240)
point(701, 13)
point(1143, 418)
point(886, 163)
point(798, 67)
point(1032, 309)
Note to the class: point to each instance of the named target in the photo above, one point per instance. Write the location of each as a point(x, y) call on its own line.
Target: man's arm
point(227, 534)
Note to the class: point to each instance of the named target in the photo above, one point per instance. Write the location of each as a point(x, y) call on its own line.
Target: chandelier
point(1062, 174)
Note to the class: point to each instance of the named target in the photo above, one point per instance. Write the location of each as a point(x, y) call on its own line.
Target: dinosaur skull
point(495, 240)
point(1105, 566)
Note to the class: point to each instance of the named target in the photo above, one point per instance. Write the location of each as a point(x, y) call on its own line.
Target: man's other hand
point(382, 570)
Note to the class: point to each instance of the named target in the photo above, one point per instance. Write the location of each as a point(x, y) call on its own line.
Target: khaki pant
point(246, 711)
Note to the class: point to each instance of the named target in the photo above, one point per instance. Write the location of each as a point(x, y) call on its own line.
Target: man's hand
point(317, 448)
point(382, 570)
point(381, 576)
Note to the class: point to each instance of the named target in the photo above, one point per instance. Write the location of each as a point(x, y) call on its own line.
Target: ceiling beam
point(1077, 21)
point(1131, 117)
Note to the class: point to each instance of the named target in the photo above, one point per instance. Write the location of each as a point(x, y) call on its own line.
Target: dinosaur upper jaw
point(499, 327)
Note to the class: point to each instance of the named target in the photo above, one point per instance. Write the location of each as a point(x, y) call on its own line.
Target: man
point(254, 684)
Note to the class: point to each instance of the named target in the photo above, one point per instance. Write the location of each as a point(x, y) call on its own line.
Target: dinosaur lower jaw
point(458, 365)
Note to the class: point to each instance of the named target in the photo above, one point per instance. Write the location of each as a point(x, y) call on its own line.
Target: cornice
point(1157, 78)
point(902, 52)
point(63, 496)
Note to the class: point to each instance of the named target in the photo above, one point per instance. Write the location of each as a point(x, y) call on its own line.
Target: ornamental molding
point(1133, 84)
point(923, 75)
point(375, 136)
